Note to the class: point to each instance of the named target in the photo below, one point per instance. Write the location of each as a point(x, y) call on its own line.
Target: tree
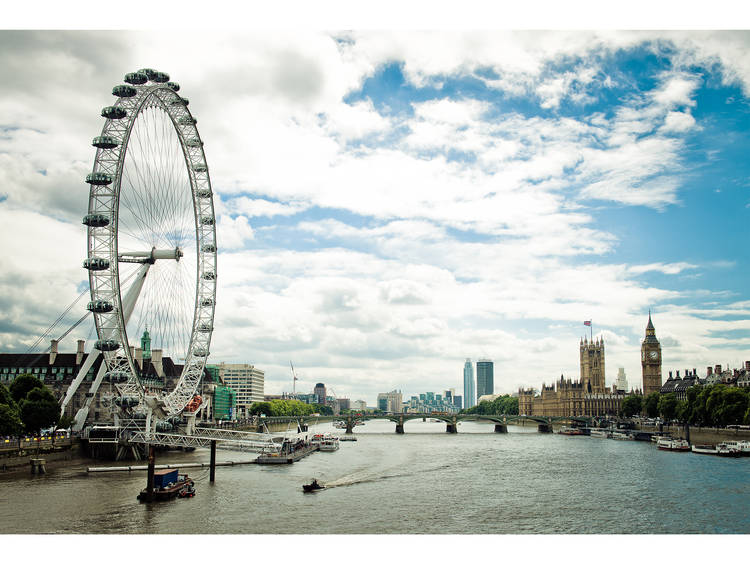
point(631, 405)
point(65, 422)
point(10, 422)
point(39, 409)
point(651, 404)
point(667, 406)
point(5, 397)
point(260, 408)
point(20, 387)
point(682, 412)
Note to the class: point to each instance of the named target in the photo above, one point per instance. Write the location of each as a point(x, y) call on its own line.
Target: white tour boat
point(704, 449)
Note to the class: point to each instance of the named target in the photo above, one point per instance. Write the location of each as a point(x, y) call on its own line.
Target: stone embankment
point(708, 435)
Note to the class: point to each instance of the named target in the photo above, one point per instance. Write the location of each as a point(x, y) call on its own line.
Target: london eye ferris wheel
point(151, 239)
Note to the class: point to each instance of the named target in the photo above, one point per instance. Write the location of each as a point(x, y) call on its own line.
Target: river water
point(423, 482)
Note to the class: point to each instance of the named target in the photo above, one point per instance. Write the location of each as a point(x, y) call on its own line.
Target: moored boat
point(704, 449)
point(565, 430)
point(347, 438)
point(601, 433)
point(728, 449)
point(621, 435)
point(669, 444)
point(329, 443)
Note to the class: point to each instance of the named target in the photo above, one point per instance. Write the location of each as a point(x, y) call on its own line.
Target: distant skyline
point(390, 203)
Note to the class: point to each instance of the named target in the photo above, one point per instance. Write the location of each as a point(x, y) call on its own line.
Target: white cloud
point(233, 233)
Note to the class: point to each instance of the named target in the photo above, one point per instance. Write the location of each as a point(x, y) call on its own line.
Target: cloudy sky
point(391, 203)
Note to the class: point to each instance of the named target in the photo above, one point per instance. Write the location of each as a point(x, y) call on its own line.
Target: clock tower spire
point(651, 360)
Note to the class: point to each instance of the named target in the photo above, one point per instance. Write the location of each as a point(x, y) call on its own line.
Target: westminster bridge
point(501, 421)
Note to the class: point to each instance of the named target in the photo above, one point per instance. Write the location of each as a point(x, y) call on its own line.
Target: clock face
point(653, 354)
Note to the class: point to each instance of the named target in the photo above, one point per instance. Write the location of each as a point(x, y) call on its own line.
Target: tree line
point(288, 408)
point(505, 404)
point(27, 405)
point(714, 405)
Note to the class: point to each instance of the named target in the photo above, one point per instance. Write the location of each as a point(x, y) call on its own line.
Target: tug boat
point(168, 484)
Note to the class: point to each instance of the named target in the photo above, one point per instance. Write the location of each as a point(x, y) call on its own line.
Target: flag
point(587, 322)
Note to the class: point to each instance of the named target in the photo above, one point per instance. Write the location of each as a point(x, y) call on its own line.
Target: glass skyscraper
point(469, 392)
point(485, 377)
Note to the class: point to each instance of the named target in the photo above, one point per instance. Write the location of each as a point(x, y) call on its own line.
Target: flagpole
point(591, 326)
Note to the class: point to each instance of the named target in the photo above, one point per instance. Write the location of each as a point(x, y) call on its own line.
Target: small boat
point(347, 438)
point(704, 449)
point(312, 486)
point(564, 430)
point(744, 448)
point(602, 433)
point(168, 484)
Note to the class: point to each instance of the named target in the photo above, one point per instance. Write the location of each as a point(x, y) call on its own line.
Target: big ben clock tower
point(651, 360)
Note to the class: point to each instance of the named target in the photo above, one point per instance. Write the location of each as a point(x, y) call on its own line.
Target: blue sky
point(391, 203)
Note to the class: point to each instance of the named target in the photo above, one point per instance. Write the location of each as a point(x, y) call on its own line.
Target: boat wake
point(362, 477)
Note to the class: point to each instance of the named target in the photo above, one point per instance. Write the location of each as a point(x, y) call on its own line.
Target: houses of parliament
point(588, 396)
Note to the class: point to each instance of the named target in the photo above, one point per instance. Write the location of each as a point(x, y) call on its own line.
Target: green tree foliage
point(39, 409)
point(668, 406)
point(682, 411)
point(10, 422)
point(65, 422)
point(631, 405)
point(716, 405)
point(259, 408)
point(505, 404)
point(5, 397)
point(651, 404)
point(20, 387)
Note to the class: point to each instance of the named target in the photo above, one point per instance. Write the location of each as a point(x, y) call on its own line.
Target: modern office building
point(320, 392)
point(246, 381)
point(469, 390)
point(485, 377)
point(359, 405)
point(390, 401)
point(622, 380)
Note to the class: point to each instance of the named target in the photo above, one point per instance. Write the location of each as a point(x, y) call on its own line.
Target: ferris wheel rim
point(103, 239)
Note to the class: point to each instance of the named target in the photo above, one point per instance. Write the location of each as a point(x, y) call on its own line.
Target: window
point(36, 370)
point(54, 370)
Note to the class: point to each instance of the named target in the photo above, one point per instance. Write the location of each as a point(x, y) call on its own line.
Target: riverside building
point(246, 381)
point(588, 396)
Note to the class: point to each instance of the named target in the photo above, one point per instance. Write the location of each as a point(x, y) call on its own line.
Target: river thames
point(423, 482)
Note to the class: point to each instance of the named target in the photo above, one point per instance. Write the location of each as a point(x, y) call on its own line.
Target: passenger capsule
point(181, 101)
point(124, 91)
point(208, 249)
point(200, 352)
point(99, 178)
point(136, 78)
point(106, 345)
point(160, 77)
point(174, 86)
point(187, 120)
point(200, 168)
point(149, 72)
point(209, 275)
point(207, 302)
point(96, 264)
point(105, 142)
point(205, 327)
point(203, 193)
point(113, 112)
point(95, 220)
point(100, 306)
point(207, 221)
point(163, 426)
point(194, 143)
